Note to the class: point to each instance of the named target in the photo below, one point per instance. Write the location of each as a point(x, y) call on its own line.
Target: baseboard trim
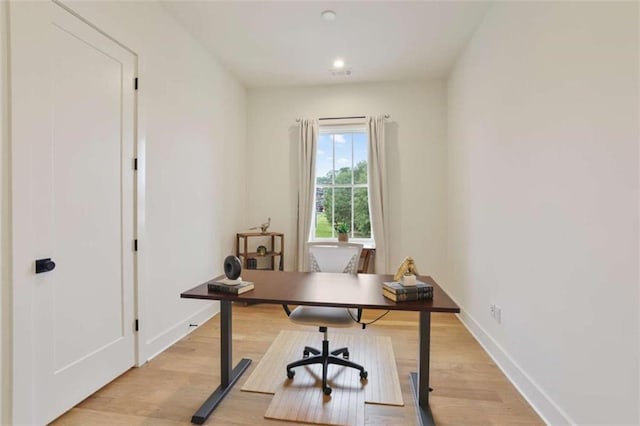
point(164, 340)
point(546, 408)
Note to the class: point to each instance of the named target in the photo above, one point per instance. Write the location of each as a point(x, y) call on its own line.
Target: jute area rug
point(302, 400)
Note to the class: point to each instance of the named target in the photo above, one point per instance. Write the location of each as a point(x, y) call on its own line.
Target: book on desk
point(398, 292)
point(230, 286)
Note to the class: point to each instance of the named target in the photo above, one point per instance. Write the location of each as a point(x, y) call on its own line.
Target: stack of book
point(230, 286)
point(399, 293)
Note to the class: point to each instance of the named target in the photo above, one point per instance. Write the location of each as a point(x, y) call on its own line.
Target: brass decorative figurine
point(407, 267)
point(263, 227)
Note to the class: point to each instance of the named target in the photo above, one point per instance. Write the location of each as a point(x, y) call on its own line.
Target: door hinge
point(135, 164)
point(135, 83)
point(135, 245)
point(137, 325)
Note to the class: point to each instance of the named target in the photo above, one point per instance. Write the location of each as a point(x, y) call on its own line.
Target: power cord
point(365, 324)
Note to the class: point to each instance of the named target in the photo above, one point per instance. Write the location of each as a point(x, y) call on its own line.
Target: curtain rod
point(342, 118)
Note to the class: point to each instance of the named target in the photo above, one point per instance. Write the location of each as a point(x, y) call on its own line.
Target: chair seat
point(322, 316)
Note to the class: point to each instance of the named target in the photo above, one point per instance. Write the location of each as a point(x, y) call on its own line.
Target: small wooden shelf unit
point(274, 241)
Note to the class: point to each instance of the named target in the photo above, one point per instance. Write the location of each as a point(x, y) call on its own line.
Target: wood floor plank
point(468, 387)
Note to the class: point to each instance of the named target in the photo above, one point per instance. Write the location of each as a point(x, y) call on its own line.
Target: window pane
point(342, 206)
point(360, 158)
point(319, 199)
point(323, 227)
point(361, 218)
point(343, 146)
point(324, 219)
point(324, 159)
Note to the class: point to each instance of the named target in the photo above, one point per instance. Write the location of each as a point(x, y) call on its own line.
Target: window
point(342, 191)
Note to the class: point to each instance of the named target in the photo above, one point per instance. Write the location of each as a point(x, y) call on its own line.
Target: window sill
point(367, 243)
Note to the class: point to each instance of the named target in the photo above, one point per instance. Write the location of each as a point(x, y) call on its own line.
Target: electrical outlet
point(492, 310)
point(498, 314)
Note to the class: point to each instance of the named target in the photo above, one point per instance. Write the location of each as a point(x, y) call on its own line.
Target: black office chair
point(328, 257)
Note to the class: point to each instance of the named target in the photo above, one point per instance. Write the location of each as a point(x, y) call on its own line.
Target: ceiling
point(287, 43)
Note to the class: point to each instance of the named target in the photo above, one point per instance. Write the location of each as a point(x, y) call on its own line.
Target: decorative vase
point(343, 237)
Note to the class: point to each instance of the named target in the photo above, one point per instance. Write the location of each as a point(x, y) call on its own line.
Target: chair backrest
point(334, 257)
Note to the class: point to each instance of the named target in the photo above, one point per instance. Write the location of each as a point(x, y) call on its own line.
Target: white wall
point(543, 202)
point(192, 134)
point(5, 296)
point(416, 159)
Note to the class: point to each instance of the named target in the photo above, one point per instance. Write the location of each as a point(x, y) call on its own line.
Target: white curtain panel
point(306, 186)
point(378, 195)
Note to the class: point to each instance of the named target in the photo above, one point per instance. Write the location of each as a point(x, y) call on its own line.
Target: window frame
point(333, 128)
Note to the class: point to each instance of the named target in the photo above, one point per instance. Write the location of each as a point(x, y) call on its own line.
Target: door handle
point(45, 265)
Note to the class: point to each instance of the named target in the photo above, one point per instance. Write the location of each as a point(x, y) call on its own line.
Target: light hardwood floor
point(469, 389)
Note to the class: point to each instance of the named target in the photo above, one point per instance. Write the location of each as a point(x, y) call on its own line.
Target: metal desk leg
point(228, 377)
point(420, 381)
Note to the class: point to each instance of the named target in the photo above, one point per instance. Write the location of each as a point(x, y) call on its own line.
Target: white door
point(73, 106)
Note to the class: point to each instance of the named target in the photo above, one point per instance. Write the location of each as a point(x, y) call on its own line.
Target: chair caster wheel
point(305, 354)
point(364, 374)
point(327, 390)
point(345, 355)
point(290, 374)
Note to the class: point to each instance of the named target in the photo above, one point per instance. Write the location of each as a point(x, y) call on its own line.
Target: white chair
point(328, 257)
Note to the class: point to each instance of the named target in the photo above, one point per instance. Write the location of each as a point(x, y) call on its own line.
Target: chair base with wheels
point(325, 358)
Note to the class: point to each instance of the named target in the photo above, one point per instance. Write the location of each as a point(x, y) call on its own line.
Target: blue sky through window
point(343, 151)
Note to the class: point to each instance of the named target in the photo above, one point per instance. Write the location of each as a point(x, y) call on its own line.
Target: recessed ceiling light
point(338, 63)
point(328, 15)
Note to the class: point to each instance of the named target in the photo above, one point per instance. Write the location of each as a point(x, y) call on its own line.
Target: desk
point(321, 289)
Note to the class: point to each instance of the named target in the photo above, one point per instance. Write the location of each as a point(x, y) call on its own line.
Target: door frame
point(5, 217)
point(19, 404)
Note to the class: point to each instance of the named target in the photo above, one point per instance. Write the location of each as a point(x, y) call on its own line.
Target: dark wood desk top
point(325, 289)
